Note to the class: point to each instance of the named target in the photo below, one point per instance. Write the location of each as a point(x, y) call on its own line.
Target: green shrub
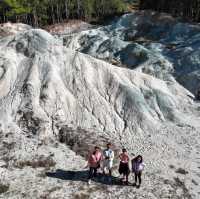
point(3, 188)
point(46, 162)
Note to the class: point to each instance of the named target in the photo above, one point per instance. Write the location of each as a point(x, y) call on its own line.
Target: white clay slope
point(42, 79)
point(155, 43)
point(45, 87)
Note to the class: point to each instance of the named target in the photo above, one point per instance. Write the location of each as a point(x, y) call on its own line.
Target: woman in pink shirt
point(98, 155)
point(94, 163)
point(124, 165)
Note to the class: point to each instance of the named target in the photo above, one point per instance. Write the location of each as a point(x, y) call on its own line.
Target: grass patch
point(171, 166)
point(3, 188)
point(181, 171)
point(46, 162)
point(42, 174)
point(82, 141)
point(194, 182)
point(47, 193)
point(177, 184)
point(81, 196)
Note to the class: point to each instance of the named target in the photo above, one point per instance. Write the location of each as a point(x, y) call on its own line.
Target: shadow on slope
point(83, 176)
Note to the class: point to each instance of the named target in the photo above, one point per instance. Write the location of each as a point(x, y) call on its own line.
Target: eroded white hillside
point(41, 80)
point(154, 43)
point(51, 94)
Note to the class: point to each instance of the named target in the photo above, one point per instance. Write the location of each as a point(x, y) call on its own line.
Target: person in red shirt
point(94, 163)
point(98, 155)
point(124, 165)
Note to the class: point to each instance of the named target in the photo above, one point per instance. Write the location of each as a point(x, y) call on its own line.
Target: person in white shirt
point(108, 155)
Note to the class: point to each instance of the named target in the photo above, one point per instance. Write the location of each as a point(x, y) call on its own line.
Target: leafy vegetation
point(46, 162)
point(3, 188)
point(189, 9)
point(39, 13)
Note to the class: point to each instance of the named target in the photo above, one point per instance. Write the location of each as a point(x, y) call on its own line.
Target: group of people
point(104, 160)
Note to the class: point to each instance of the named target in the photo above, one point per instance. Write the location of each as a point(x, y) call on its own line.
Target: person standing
point(94, 163)
point(99, 156)
point(108, 155)
point(137, 168)
point(124, 166)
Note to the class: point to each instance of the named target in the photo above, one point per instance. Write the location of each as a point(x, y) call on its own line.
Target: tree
point(39, 13)
point(88, 9)
point(189, 9)
point(3, 9)
point(16, 9)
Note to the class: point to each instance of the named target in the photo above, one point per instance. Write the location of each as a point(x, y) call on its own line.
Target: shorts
point(107, 164)
point(124, 168)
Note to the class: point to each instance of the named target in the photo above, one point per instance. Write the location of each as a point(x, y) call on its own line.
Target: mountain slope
point(50, 94)
point(41, 79)
point(155, 43)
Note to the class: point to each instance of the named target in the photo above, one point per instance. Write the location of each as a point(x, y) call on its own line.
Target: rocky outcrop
point(72, 26)
point(56, 104)
point(7, 29)
point(154, 43)
point(44, 85)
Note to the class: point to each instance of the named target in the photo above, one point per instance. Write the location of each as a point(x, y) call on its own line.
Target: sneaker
point(138, 186)
point(126, 183)
point(89, 182)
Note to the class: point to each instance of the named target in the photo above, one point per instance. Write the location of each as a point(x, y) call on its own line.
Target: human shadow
point(83, 176)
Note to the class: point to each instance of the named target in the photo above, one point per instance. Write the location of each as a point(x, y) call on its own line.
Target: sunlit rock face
point(43, 81)
point(56, 104)
point(7, 29)
point(154, 43)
